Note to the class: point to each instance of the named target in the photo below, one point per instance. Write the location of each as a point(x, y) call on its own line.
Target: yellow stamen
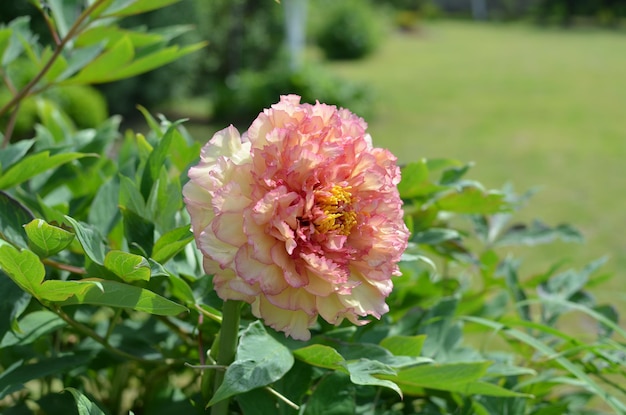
point(337, 207)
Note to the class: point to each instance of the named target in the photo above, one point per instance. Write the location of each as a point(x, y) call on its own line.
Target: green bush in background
point(349, 29)
point(241, 97)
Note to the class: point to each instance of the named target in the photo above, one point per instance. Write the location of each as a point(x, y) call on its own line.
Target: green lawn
point(530, 106)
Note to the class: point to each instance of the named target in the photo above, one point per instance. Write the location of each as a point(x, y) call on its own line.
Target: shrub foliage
point(105, 308)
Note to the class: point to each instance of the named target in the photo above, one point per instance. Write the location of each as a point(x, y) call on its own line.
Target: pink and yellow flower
point(299, 217)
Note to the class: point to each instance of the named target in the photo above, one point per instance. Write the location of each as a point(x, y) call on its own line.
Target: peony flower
point(299, 217)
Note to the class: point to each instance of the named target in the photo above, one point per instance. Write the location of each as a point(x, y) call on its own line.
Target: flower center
point(336, 205)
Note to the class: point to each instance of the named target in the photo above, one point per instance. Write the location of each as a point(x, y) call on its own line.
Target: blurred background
point(531, 91)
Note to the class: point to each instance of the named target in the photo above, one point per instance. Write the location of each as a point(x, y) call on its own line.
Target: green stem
point(229, 335)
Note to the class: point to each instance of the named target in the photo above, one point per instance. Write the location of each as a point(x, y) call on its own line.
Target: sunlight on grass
point(530, 106)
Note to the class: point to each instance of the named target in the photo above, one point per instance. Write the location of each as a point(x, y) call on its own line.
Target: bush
point(240, 99)
point(348, 30)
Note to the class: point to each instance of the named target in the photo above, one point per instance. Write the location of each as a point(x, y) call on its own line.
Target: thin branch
point(76, 27)
point(282, 398)
point(64, 267)
point(10, 126)
point(81, 328)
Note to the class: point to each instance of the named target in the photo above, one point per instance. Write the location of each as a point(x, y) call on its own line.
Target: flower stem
point(229, 335)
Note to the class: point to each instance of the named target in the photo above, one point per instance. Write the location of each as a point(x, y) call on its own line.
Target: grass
point(530, 106)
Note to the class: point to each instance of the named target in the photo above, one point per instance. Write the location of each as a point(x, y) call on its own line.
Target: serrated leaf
point(362, 372)
point(83, 404)
point(128, 267)
point(13, 216)
point(46, 240)
point(321, 356)
point(259, 361)
point(33, 326)
point(120, 295)
point(35, 164)
point(171, 243)
point(404, 345)
point(89, 238)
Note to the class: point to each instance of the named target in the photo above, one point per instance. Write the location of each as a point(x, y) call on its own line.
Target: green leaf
point(548, 351)
point(89, 238)
point(447, 376)
point(61, 16)
point(156, 60)
point(104, 212)
point(415, 181)
point(128, 267)
point(453, 175)
point(46, 240)
point(165, 201)
point(321, 356)
point(24, 268)
point(19, 28)
point(257, 402)
point(80, 58)
point(33, 326)
point(13, 216)
point(33, 165)
point(27, 271)
point(13, 303)
point(538, 233)
point(120, 295)
point(404, 345)
point(472, 200)
point(130, 197)
point(84, 405)
point(260, 360)
point(171, 243)
point(333, 395)
point(128, 8)
point(14, 153)
point(363, 370)
point(56, 291)
point(434, 236)
point(139, 231)
point(156, 161)
point(103, 68)
point(94, 36)
point(13, 378)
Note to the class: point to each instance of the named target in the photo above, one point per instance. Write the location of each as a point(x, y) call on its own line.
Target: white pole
point(295, 27)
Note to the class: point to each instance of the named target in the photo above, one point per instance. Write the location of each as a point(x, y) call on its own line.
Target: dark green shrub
point(242, 96)
point(349, 29)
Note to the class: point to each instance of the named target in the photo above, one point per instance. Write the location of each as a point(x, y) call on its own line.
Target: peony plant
point(306, 232)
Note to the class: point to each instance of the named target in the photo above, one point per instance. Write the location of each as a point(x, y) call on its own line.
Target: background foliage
point(106, 309)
